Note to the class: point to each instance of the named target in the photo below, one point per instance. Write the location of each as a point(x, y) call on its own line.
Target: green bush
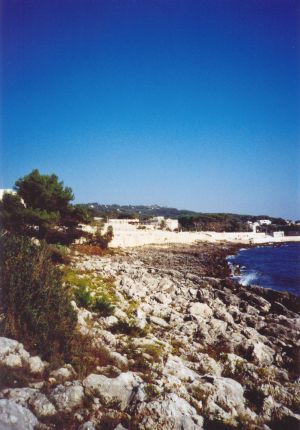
point(83, 296)
point(92, 292)
point(104, 306)
point(102, 239)
point(36, 306)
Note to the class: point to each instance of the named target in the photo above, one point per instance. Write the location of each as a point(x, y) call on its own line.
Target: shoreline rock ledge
point(186, 348)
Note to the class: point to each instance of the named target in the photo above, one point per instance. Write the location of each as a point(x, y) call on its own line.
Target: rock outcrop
point(185, 348)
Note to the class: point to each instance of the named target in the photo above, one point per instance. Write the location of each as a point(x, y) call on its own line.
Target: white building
point(277, 234)
point(172, 224)
point(258, 223)
point(264, 222)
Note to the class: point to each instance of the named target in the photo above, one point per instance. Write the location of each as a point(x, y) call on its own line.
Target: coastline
point(254, 271)
point(185, 347)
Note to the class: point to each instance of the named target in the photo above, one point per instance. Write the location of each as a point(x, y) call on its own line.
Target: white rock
point(162, 298)
point(110, 321)
point(175, 366)
point(224, 396)
point(140, 319)
point(19, 395)
point(42, 407)
point(12, 353)
point(272, 409)
point(68, 397)
point(36, 365)
point(88, 425)
point(201, 310)
point(159, 321)
point(170, 413)
point(83, 317)
point(12, 360)
point(63, 373)
point(207, 364)
point(119, 360)
point(16, 417)
point(118, 313)
point(117, 392)
point(262, 354)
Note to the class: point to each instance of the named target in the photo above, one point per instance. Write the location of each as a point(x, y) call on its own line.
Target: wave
point(249, 278)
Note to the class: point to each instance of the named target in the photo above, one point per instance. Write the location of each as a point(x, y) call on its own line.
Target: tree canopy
point(42, 208)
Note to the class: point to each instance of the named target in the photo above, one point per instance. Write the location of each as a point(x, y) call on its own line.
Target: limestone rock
point(201, 310)
point(175, 366)
point(41, 406)
point(119, 360)
point(141, 319)
point(170, 413)
point(159, 321)
point(36, 365)
point(88, 425)
point(262, 354)
point(12, 353)
point(16, 417)
point(64, 373)
point(114, 392)
point(206, 364)
point(68, 397)
point(110, 321)
point(19, 395)
point(222, 396)
point(120, 427)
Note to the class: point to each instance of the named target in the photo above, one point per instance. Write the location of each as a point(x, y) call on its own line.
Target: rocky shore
point(185, 348)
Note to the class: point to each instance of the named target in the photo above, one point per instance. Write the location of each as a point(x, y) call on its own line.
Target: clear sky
point(186, 103)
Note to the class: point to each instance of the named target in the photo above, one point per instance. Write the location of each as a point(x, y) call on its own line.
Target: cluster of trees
point(42, 208)
point(34, 299)
point(138, 211)
point(214, 222)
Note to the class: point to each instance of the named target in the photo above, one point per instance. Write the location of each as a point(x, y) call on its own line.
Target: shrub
point(83, 296)
point(92, 292)
point(59, 254)
point(102, 239)
point(85, 356)
point(36, 306)
point(104, 306)
point(152, 391)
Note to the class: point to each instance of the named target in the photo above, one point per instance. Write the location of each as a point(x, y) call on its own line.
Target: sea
point(276, 267)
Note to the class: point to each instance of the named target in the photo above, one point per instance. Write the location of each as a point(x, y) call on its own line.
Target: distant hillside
point(138, 211)
point(189, 220)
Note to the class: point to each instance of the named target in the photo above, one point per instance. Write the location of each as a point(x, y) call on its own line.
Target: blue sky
point(190, 104)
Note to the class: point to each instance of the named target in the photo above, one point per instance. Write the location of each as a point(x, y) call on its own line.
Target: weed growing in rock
point(91, 292)
point(152, 391)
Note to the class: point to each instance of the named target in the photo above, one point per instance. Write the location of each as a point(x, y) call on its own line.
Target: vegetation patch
point(130, 328)
point(35, 302)
point(152, 391)
point(92, 292)
point(85, 356)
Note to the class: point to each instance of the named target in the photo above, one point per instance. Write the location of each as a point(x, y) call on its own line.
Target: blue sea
point(271, 267)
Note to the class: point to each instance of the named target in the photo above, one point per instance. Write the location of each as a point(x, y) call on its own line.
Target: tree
point(103, 239)
point(163, 224)
point(42, 208)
